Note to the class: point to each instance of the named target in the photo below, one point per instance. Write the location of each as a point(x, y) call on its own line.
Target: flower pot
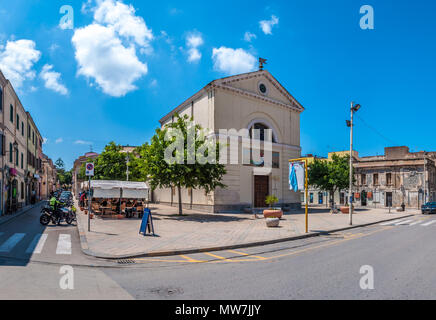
point(91, 216)
point(120, 216)
point(86, 211)
point(272, 222)
point(273, 213)
point(345, 210)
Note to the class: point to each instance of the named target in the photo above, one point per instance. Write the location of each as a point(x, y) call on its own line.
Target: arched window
point(261, 127)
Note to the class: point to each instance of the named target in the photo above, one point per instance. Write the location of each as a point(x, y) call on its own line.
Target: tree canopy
point(185, 170)
point(330, 175)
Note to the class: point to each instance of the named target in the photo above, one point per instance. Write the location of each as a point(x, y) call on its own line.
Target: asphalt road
point(402, 256)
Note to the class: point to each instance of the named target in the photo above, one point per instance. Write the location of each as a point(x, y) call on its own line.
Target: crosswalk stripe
point(64, 244)
point(11, 242)
point(403, 222)
point(428, 223)
point(37, 244)
point(391, 222)
point(416, 222)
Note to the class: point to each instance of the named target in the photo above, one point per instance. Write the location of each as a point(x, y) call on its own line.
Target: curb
point(85, 247)
point(16, 215)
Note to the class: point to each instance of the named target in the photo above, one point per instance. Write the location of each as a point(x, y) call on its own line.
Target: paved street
point(401, 252)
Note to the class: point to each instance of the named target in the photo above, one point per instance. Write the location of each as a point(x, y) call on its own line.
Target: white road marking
point(11, 242)
point(428, 223)
point(37, 244)
point(391, 222)
point(403, 222)
point(416, 222)
point(64, 244)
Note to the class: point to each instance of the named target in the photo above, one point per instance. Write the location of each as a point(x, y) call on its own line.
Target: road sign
point(89, 169)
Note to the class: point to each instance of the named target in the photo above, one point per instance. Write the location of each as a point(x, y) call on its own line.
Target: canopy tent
point(119, 189)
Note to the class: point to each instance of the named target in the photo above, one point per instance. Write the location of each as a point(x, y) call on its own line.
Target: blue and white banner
point(297, 176)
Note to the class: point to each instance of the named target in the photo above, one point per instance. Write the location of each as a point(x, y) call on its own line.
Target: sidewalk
point(6, 218)
point(196, 232)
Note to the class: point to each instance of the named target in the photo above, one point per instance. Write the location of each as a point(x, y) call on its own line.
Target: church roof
point(226, 80)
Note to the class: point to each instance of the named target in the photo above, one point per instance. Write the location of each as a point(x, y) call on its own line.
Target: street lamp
point(354, 108)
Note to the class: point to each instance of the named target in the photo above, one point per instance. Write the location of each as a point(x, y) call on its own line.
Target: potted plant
point(271, 200)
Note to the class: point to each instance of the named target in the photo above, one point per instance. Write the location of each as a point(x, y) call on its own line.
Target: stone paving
point(112, 238)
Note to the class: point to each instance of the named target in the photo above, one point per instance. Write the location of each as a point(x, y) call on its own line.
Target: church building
point(254, 100)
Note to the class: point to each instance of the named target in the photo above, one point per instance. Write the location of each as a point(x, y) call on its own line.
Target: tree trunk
point(180, 200)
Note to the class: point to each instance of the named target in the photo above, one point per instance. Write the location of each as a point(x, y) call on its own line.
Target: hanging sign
point(297, 176)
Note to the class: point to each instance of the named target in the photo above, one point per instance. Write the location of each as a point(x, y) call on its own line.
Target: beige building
point(253, 100)
point(76, 170)
point(34, 161)
point(14, 151)
point(48, 177)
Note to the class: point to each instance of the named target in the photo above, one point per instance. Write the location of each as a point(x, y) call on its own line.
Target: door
point(363, 198)
point(388, 199)
point(261, 191)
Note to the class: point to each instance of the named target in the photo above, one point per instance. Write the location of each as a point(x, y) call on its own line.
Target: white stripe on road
point(11, 242)
point(64, 244)
point(37, 244)
point(403, 222)
point(391, 222)
point(416, 222)
point(428, 223)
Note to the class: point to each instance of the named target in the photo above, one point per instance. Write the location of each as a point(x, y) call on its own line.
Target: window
point(363, 179)
point(11, 113)
point(311, 197)
point(28, 131)
point(276, 160)
point(10, 153)
point(22, 160)
point(16, 157)
point(22, 128)
point(375, 179)
point(1, 99)
point(18, 122)
point(33, 137)
point(22, 189)
point(388, 179)
point(261, 127)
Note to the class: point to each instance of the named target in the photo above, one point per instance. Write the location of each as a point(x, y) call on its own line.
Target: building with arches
point(237, 104)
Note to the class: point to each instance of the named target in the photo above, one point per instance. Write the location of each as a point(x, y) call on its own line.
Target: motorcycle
point(48, 215)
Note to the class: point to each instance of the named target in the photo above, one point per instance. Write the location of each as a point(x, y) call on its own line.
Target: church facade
point(254, 100)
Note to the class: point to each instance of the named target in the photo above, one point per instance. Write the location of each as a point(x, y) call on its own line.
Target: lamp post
point(127, 164)
point(354, 108)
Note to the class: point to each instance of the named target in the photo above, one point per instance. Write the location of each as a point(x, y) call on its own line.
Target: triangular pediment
point(251, 82)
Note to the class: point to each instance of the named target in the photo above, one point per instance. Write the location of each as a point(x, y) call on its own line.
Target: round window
point(262, 88)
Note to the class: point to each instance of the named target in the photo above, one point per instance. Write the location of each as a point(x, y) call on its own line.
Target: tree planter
point(345, 209)
point(272, 222)
point(273, 213)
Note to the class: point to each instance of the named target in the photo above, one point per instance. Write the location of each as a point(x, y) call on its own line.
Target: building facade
point(48, 178)
point(76, 170)
point(395, 178)
point(14, 151)
point(249, 101)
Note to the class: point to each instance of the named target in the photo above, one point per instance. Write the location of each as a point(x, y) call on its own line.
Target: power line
point(377, 132)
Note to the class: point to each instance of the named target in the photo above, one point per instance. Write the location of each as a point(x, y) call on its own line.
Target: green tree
point(331, 175)
point(111, 165)
point(179, 172)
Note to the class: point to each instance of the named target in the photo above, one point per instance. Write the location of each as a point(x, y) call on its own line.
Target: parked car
point(429, 207)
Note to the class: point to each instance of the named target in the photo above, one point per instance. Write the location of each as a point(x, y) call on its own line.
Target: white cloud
point(52, 79)
point(82, 142)
point(122, 18)
point(102, 56)
point(44, 140)
point(17, 60)
point(248, 36)
point(233, 61)
point(86, 6)
point(106, 49)
point(59, 140)
point(267, 25)
point(193, 41)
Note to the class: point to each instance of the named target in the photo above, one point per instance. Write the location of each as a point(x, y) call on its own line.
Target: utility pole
point(425, 181)
point(354, 108)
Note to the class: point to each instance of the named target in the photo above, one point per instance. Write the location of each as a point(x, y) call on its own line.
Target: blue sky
point(160, 53)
